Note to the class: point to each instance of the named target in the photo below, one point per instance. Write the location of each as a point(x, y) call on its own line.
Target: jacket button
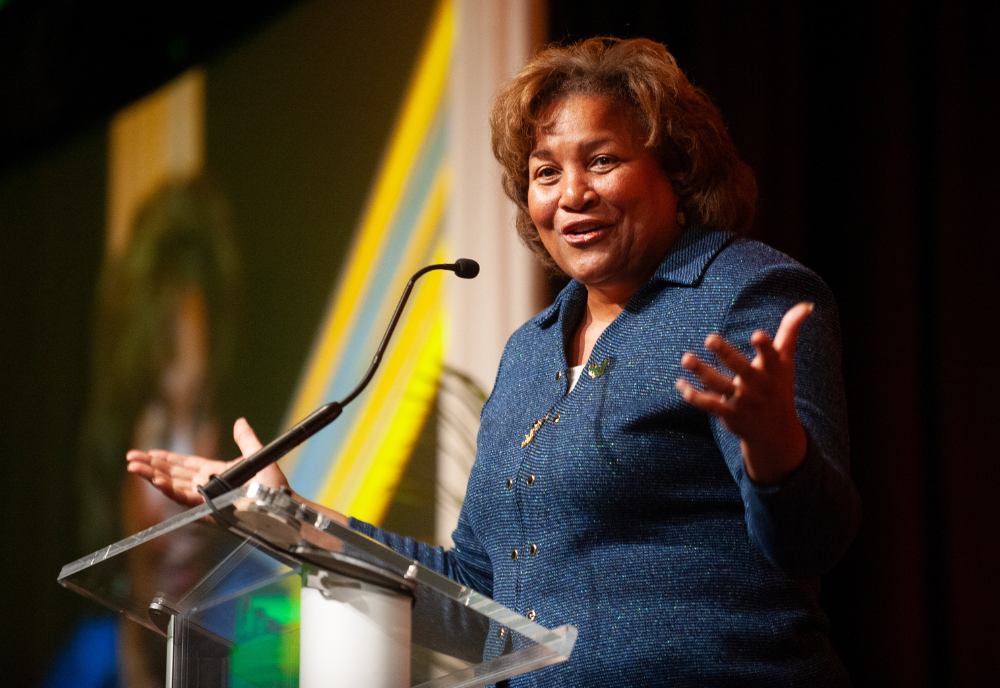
point(558, 375)
point(530, 480)
point(532, 549)
point(510, 483)
point(502, 632)
point(556, 419)
point(513, 555)
point(531, 615)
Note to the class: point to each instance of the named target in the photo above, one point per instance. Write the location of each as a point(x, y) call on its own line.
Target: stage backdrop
point(346, 144)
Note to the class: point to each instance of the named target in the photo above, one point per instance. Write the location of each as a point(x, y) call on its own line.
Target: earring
point(680, 219)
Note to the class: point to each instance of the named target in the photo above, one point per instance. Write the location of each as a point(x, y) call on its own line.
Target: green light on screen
point(267, 637)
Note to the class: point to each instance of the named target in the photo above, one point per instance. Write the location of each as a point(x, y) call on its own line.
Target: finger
point(180, 481)
point(137, 455)
point(706, 401)
point(140, 463)
point(148, 465)
point(788, 330)
point(245, 437)
point(172, 488)
point(173, 464)
point(143, 470)
point(711, 378)
point(169, 472)
point(169, 482)
point(730, 356)
point(765, 349)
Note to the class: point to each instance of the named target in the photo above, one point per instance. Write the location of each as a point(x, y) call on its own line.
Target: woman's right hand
point(178, 476)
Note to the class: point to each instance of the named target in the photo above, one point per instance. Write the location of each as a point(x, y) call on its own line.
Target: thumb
point(788, 331)
point(246, 438)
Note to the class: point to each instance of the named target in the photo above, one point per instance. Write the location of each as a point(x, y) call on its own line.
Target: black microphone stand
point(326, 414)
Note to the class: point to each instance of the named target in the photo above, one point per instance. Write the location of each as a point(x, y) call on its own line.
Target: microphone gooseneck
point(326, 414)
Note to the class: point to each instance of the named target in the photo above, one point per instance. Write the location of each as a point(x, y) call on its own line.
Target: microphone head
point(466, 268)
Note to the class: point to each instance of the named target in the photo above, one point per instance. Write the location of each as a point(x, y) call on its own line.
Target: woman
point(681, 527)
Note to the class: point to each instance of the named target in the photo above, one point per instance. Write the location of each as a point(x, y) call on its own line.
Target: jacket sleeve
point(466, 563)
point(805, 523)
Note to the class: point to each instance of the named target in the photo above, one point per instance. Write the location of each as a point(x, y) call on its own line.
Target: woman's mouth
point(583, 233)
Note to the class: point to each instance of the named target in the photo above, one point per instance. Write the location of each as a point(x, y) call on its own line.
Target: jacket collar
point(691, 255)
point(684, 265)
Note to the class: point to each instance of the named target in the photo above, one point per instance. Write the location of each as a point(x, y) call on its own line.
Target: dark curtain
point(872, 128)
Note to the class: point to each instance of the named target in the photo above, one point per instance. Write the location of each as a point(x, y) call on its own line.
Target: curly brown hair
point(683, 128)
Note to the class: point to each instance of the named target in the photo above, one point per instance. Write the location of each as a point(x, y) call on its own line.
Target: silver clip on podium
point(257, 589)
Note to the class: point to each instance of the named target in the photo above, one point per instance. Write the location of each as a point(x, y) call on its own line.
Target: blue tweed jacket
point(625, 511)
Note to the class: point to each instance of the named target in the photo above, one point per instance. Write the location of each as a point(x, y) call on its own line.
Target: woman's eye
point(602, 161)
point(545, 172)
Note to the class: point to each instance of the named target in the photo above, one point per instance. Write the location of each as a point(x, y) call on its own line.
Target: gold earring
point(680, 219)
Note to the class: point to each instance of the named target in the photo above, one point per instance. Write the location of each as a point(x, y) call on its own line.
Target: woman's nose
point(577, 193)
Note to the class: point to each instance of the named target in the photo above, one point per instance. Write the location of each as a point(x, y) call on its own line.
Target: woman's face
point(604, 208)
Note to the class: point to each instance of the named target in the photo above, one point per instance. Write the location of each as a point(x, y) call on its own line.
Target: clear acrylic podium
point(256, 588)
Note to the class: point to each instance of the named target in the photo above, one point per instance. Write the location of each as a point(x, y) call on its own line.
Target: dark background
point(873, 130)
point(872, 127)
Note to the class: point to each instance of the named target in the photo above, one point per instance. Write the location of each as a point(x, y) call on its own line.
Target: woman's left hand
point(179, 476)
point(758, 402)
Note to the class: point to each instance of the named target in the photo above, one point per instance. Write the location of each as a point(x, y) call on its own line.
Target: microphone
point(466, 268)
point(326, 414)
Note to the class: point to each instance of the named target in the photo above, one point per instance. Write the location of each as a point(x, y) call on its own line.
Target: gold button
point(558, 375)
point(502, 632)
point(556, 419)
point(513, 556)
point(510, 483)
point(530, 480)
point(530, 615)
point(532, 549)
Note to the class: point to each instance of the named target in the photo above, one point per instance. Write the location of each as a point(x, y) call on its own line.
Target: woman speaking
point(664, 459)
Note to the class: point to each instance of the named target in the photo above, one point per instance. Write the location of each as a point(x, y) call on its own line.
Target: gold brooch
point(595, 370)
point(534, 428)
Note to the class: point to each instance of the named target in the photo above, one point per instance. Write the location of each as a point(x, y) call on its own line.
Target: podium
point(258, 589)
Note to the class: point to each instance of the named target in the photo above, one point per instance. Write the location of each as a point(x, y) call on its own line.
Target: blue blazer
point(621, 509)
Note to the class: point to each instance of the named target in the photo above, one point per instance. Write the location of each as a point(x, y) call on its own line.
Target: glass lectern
point(257, 589)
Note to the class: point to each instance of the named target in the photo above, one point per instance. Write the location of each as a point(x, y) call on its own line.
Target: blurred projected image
point(162, 341)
